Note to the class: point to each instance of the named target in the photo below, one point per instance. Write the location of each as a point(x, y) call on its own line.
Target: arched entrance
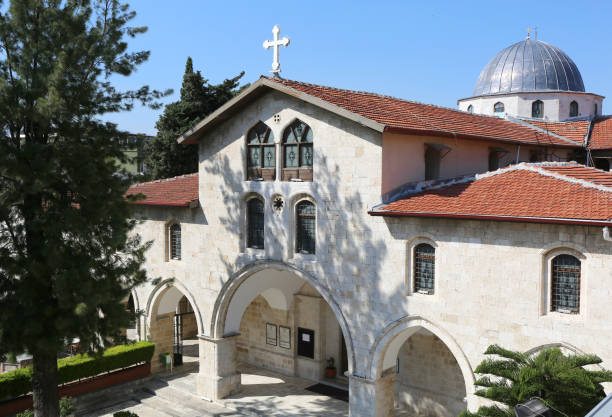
point(173, 324)
point(427, 371)
point(272, 319)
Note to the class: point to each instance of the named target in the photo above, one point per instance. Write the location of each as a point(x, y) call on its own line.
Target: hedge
point(19, 382)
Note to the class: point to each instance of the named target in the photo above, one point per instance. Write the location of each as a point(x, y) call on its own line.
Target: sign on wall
point(271, 336)
point(284, 336)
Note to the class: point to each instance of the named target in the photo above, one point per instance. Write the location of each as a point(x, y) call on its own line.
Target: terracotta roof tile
point(544, 192)
point(398, 114)
point(601, 134)
point(575, 130)
point(179, 191)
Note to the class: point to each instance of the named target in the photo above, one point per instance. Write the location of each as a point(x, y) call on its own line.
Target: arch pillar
point(218, 377)
point(372, 397)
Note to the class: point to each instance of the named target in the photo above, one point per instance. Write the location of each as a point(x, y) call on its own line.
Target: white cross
point(276, 43)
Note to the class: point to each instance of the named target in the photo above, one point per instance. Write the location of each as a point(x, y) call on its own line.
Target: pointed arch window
point(565, 284)
point(573, 109)
point(261, 153)
point(297, 152)
point(470, 109)
point(175, 241)
point(537, 109)
point(499, 107)
point(424, 268)
point(255, 223)
point(306, 228)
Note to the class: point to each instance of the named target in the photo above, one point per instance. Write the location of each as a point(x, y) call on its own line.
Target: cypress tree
point(67, 258)
point(164, 157)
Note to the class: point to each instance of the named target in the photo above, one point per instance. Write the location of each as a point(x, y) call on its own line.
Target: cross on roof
point(276, 44)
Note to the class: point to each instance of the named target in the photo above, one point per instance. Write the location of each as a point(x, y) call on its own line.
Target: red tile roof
point(179, 191)
point(601, 134)
point(540, 192)
point(418, 118)
point(574, 130)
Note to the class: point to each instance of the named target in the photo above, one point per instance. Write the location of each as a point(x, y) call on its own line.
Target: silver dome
point(529, 66)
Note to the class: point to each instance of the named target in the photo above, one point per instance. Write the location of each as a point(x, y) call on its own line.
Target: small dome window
point(537, 109)
point(499, 107)
point(573, 109)
point(470, 109)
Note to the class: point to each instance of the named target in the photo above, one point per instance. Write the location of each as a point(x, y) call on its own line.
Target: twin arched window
point(424, 268)
point(174, 240)
point(261, 153)
point(297, 153)
point(499, 107)
point(565, 284)
point(573, 109)
point(537, 109)
point(255, 223)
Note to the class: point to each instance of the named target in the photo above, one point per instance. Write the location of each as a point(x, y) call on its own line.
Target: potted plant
point(330, 369)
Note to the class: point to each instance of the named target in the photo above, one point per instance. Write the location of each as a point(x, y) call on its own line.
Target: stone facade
point(491, 277)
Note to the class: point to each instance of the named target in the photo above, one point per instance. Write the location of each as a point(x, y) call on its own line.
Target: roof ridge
point(535, 167)
point(161, 180)
point(386, 96)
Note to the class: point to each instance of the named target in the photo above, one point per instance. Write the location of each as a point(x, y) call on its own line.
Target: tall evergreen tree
point(66, 256)
point(560, 381)
point(164, 156)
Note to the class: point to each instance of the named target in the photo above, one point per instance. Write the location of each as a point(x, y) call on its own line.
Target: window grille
point(573, 109)
point(565, 284)
point(499, 107)
point(175, 241)
point(432, 163)
point(261, 153)
point(493, 160)
point(537, 109)
point(297, 152)
point(306, 228)
point(255, 220)
point(424, 269)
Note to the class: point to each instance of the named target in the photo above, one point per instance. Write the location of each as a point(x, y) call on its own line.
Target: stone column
point(372, 398)
point(218, 377)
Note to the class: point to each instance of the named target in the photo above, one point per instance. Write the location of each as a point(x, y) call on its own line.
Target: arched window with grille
point(565, 284)
point(261, 153)
point(470, 109)
point(537, 109)
point(573, 109)
point(499, 107)
point(174, 239)
point(424, 268)
point(297, 152)
point(255, 223)
point(306, 227)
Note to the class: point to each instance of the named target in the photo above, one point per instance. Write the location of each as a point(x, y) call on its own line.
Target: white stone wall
point(556, 105)
point(490, 282)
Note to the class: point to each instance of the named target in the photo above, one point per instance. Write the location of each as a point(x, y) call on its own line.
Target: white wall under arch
point(386, 347)
point(259, 278)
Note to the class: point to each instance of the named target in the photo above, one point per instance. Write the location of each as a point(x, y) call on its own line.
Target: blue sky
point(429, 51)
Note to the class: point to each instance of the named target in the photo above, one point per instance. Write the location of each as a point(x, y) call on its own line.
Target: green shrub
point(65, 409)
point(19, 382)
point(125, 414)
point(26, 413)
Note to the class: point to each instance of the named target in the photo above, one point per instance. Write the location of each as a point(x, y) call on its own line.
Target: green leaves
point(560, 381)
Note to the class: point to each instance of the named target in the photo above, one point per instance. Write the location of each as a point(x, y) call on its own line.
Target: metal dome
point(529, 66)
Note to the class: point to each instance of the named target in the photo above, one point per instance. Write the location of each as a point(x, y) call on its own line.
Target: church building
point(400, 239)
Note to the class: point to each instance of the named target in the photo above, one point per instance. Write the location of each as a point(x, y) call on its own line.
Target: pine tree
point(560, 381)
point(67, 258)
point(164, 157)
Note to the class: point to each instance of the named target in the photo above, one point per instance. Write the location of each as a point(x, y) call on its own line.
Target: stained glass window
point(298, 149)
point(424, 270)
point(261, 151)
point(565, 286)
point(255, 219)
point(175, 241)
point(573, 109)
point(306, 227)
point(537, 109)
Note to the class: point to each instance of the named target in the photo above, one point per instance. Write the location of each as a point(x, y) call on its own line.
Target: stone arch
point(387, 345)
point(223, 324)
point(158, 293)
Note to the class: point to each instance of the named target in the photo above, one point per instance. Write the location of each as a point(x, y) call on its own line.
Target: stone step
point(94, 400)
point(187, 399)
